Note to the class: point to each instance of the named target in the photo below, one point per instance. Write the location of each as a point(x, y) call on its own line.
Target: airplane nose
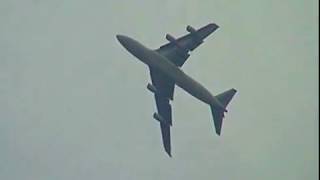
point(121, 38)
point(131, 45)
point(125, 41)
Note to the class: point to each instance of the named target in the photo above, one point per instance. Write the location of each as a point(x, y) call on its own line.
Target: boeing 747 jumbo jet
point(164, 65)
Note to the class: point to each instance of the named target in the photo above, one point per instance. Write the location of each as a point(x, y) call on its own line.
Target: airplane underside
point(164, 65)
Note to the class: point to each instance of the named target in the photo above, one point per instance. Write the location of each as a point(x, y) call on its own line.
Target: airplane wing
point(177, 50)
point(164, 88)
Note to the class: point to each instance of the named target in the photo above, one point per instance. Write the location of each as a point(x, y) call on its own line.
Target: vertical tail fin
point(217, 114)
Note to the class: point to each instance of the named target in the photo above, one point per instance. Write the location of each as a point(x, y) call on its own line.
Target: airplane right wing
point(177, 50)
point(164, 116)
point(163, 89)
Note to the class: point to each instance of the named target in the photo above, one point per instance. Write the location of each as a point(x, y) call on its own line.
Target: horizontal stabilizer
point(226, 96)
point(217, 114)
point(217, 119)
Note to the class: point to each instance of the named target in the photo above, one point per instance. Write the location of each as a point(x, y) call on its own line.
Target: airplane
point(165, 70)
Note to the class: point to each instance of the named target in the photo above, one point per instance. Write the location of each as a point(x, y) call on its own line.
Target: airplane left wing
point(163, 89)
point(164, 117)
point(162, 83)
point(177, 50)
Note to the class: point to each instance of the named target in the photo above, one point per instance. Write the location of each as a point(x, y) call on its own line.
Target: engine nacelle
point(194, 34)
point(158, 117)
point(182, 51)
point(171, 39)
point(191, 29)
point(151, 88)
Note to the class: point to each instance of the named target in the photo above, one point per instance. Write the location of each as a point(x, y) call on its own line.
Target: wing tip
point(169, 153)
point(219, 133)
point(168, 150)
point(213, 26)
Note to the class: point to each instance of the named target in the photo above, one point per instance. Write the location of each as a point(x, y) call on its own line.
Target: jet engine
point(151, 88)
point(194, 34)
point(182, 51)
point(158, 117)
point(172, 40)
point(191, 29)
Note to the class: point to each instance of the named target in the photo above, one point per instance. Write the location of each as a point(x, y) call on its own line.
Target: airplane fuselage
point(157, 61)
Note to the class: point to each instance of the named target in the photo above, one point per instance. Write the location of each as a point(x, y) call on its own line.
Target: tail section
point(218, 115)
point(226, 96)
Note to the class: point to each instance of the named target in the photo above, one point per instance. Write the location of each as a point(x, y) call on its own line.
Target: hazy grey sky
point(74, 104)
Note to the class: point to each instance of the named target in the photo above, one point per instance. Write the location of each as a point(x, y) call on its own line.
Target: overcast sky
point(74, 103)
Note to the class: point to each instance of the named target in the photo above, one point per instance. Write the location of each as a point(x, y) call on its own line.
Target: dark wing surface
point(164, 92)
point(177, 50)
